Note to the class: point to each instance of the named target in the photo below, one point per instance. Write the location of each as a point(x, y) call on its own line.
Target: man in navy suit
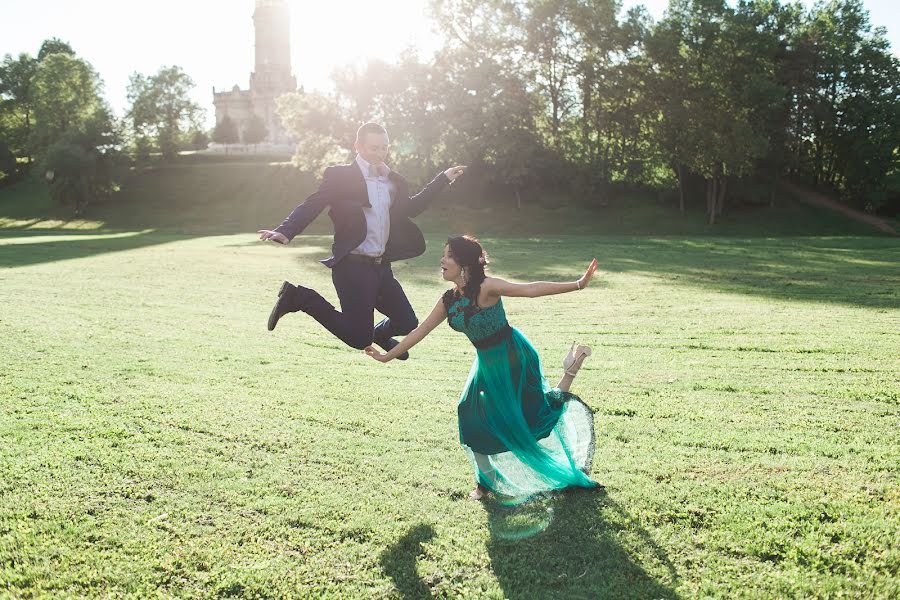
point(370, 207)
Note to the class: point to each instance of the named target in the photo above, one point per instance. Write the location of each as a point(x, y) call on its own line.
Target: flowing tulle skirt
point(522, 436)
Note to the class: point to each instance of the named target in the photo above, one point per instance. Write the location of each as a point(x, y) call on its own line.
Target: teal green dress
point(522, 436)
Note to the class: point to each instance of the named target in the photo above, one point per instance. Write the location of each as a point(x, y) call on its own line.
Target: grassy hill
point(202, 195)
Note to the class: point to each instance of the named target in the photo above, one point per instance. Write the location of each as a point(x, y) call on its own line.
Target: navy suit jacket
point(343, 191)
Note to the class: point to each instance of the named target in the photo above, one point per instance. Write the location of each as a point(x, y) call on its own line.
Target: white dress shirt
point(378, 217)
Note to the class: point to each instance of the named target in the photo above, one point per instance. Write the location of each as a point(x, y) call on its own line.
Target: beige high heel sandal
point(575, 354)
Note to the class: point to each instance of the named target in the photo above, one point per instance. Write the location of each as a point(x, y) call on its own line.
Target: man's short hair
point(369, 128)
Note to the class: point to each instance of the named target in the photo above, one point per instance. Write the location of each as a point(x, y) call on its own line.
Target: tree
point(17, 103)
point(552, 55)
point(161, 110)
point(669, 91)
point(199, 139)
point(65, 92)
point(491, 113)
point(857, 122)
point(54, 46)
point(324, 134)
point(255, 131)
point(8, 166)
point(68, 169)
point(86, 162)
point(403, 95)
point(225, 132)
point(712, 84)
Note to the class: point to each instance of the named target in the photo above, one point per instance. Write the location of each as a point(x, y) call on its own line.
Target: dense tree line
point(53, 115)
point(554, 100)
point(716, 101)
point(54, 119)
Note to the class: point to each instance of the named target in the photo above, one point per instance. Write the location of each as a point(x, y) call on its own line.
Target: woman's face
point(450, 270)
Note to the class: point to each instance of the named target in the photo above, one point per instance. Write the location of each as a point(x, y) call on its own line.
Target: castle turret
point(271, 22)
point(272, 76)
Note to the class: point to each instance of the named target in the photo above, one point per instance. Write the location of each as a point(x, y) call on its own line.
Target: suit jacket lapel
point(358, 189)
point(401, 187)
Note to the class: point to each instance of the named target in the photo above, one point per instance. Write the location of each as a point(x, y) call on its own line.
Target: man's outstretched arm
point(414, 206)
point(305, 213)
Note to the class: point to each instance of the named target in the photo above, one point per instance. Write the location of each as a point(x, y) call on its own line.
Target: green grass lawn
point(156, 439)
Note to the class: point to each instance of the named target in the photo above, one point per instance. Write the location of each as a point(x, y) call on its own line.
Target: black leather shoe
point(388, 345)
point(283, 305)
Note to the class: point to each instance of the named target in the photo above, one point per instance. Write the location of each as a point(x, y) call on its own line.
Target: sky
point(212, 40)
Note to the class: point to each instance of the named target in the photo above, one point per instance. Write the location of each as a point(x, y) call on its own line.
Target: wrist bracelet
point(578, 283)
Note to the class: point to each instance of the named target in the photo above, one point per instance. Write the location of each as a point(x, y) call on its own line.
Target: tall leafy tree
point(255, 131)
point(323, 133)
point(18, 94)
point(226, 132)
point(65, 92)
point(713, 88)
point(854, 119)
point(86, 162)
point(670, 91)
point(17, 102)
point(161, 109)
point(54, 46)
point(8, 163)
point(199, 139)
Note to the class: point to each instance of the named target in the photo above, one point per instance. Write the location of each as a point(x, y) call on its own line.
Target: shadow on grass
point(591, 548)
point(574, 545)
point(25, 248)
point(852, 271)
point(857, 271)
point(399, 562)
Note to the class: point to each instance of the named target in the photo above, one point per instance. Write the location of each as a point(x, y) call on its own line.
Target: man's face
point(373, 148)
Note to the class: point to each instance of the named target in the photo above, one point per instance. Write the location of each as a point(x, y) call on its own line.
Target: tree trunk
point(817, 164)
point(772, 192)
point(681, 188)
point(518, 198)
point(586, 109)
point(711, 200)
point(720, 201)
point(604, 171)
point(706, 193)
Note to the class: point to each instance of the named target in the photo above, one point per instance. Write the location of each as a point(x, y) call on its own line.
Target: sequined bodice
point(477, 323)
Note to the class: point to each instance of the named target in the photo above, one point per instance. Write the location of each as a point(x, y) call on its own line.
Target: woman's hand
point(585, 279)
point(376, 354)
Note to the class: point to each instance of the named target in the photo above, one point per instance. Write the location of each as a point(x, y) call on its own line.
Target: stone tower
point(271, 77)
point(272, 22)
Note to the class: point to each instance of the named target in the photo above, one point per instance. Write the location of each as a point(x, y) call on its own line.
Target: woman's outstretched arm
point(438, 314)
point(495, 286)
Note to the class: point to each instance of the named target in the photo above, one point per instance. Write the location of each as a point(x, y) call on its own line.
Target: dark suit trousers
point(362, 288)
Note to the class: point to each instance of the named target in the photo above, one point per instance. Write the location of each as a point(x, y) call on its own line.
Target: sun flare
point(330, 34)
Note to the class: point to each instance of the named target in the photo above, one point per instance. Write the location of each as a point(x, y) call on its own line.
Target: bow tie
point(375, 171)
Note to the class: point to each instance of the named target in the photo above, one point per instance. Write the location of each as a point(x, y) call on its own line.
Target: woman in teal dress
point(522, 436)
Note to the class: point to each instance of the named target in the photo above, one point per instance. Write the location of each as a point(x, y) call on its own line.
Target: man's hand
point(267, 235)
point(454, 172)
point(374, 353)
